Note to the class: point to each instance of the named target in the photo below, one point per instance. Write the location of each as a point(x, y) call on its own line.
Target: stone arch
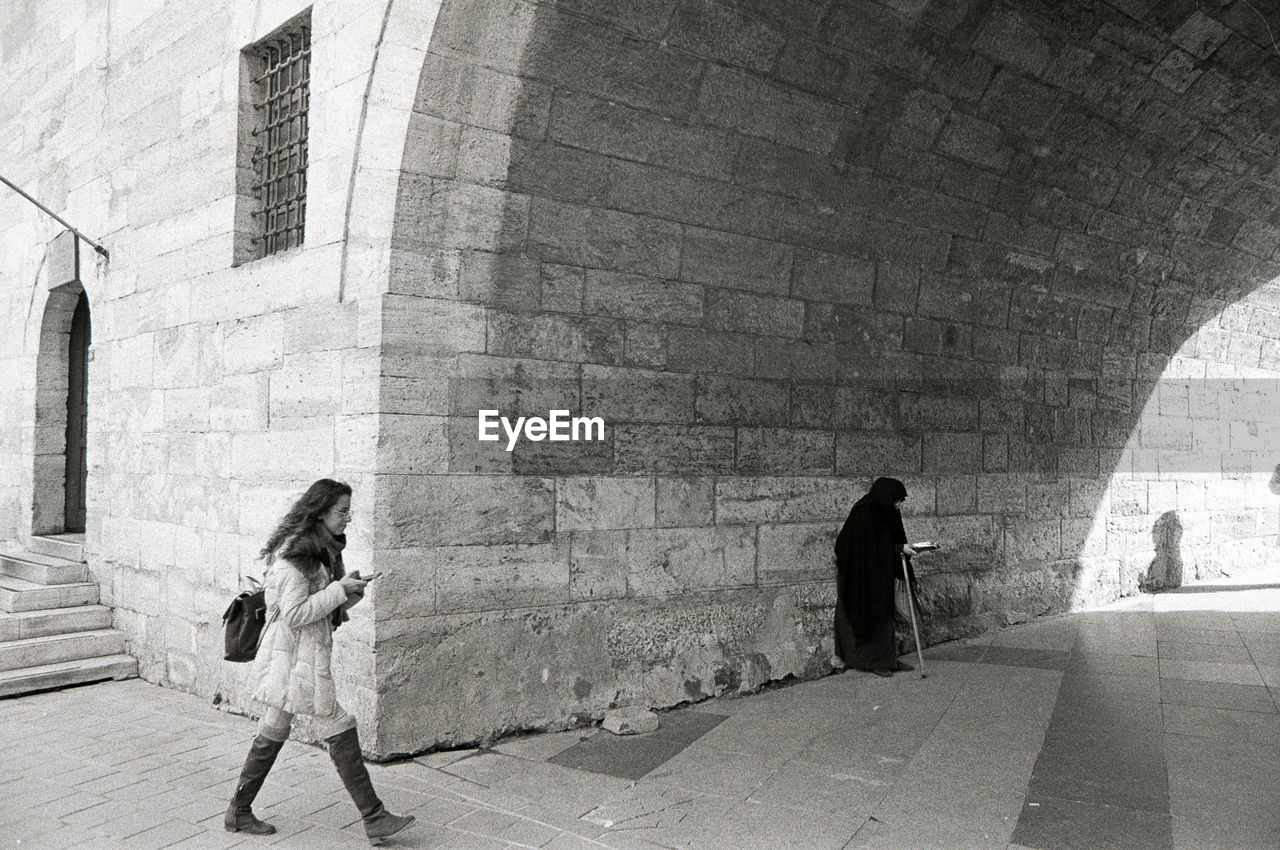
point(1093, 211)
point(1189, 495)
point(961, 243)
point(53, 383)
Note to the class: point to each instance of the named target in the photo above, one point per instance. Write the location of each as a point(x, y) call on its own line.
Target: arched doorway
point(77, 468)
point(60, 472)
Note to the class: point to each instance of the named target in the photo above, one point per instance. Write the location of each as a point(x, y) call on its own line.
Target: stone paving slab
point(1074, 825)
point(1148, 724)
point(633, 756)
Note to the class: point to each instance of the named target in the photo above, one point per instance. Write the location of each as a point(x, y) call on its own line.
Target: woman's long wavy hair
point(304, 514)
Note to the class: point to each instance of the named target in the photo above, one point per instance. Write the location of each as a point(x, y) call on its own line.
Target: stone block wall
point(217, 392)
point(1022, 258)
point(781, 249)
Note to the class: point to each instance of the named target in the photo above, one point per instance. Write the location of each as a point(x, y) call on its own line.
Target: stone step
point(54, 621)
point(28, 679)
point(51, 649)
point(67, 546)
point(17, 594)
point(42, 569)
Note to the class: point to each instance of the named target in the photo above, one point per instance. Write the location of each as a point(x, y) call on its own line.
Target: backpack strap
point(272, 611)
point(271, 616)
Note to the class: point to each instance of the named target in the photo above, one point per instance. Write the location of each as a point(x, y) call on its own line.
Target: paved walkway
point(1152, 723)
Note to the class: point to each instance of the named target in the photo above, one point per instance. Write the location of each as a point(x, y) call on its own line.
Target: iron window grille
point(279, 159)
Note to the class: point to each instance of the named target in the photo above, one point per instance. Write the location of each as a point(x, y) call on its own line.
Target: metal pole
point(911, 600)
point(56, 217)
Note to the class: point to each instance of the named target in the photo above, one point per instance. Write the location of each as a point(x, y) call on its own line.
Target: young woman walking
point(307, 595)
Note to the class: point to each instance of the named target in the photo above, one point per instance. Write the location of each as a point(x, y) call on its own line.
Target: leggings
point(277, 723)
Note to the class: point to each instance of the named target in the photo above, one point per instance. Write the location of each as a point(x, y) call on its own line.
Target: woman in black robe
point(868, 559)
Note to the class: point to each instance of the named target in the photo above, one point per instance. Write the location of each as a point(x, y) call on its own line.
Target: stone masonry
point(1022, 256)
point(216, 392)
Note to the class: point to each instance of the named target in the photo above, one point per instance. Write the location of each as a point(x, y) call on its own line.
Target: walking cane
point(911, 599)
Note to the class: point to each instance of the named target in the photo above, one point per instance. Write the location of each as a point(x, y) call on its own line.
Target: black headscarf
point(886, 492)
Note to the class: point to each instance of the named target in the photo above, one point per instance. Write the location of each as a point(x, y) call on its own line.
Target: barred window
point(272, 185)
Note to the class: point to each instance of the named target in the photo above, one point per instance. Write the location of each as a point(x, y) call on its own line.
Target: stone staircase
point(53, 632)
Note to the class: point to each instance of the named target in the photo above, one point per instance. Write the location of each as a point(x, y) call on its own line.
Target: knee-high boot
point(239, 817)
point(344, 749)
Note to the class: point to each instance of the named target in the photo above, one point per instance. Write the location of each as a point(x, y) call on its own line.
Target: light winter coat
point(292, 669)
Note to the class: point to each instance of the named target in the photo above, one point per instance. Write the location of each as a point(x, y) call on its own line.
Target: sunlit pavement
point(1150, 723)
